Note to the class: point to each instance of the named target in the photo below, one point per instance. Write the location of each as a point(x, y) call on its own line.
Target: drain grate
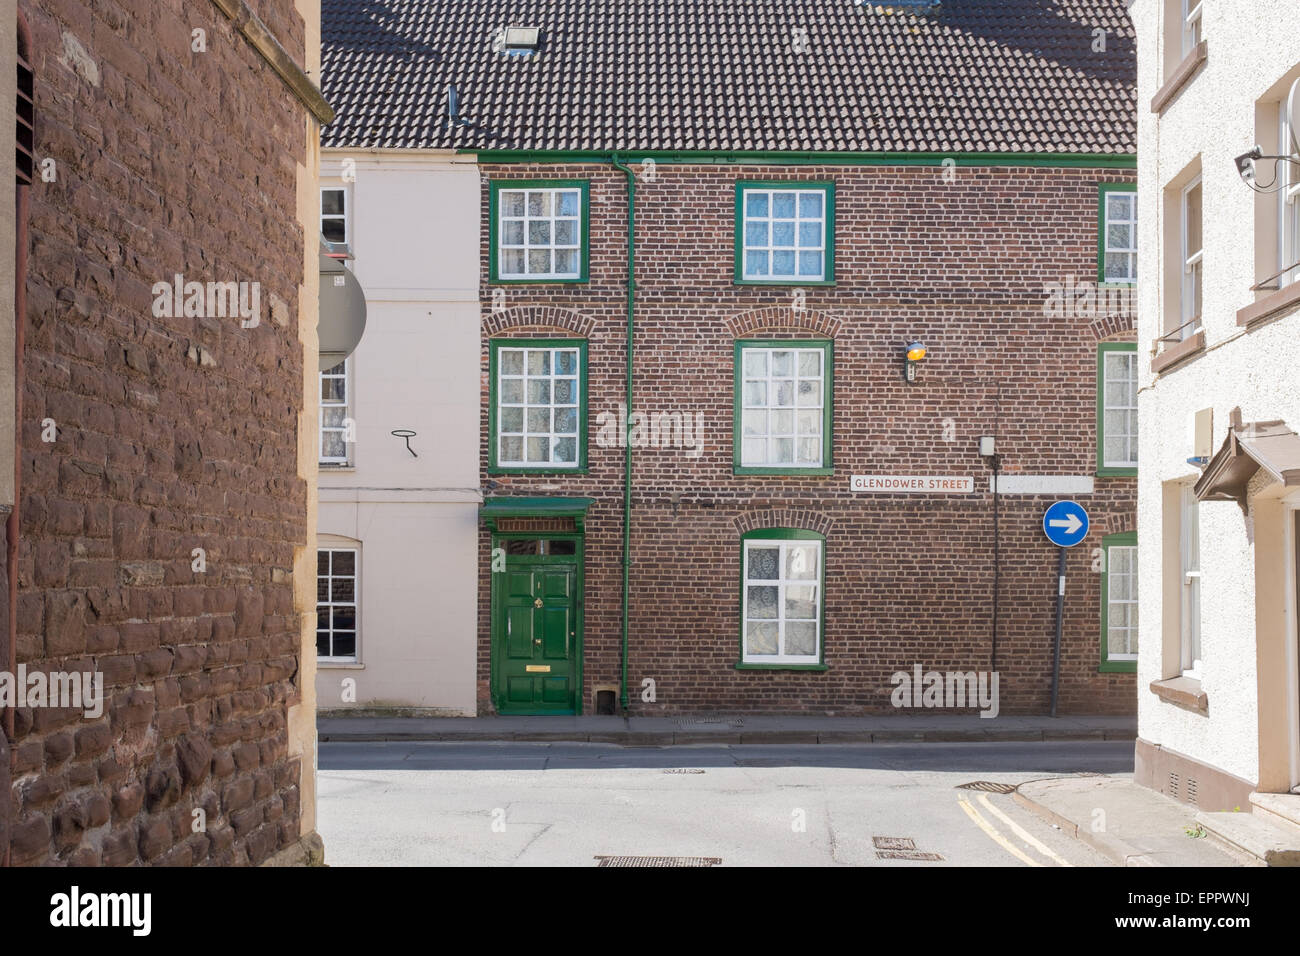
point(987, 786)
point(710, 720)
point(658, 860)
point(683, 770)
point(901, 848)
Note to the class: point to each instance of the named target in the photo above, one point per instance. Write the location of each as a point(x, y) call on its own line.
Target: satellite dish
point(1293, 119)
point(342, 306)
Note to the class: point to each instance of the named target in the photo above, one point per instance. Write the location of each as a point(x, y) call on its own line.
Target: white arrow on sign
point(1070, 523)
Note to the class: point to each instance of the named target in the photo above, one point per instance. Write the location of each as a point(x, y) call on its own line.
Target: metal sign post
point(1066, 524)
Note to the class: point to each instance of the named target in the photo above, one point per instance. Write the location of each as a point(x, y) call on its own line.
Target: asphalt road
point(560, 804)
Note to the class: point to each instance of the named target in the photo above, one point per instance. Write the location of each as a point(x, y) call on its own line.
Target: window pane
point(539, 233)
point(755, 393)
point(539, 203)
point(810, 235)
point(566, 450)
point(332, 390)
point(566, 421)
point(566, 232)
point(539, 362)
point(783, 234)
point(565, 391)
point(810, 265)
point(343, 589)
point(512, 420)
point(810, 205)
point(801, 562)
point(512, 391)
point(512, 232)
point(1119, 205)
point(323, 643)
point(783, 392)
point(345, 644)
point(801, 639)
point(568, 203)
point(332, 445)
point(761, 638)
point(566, 362)
point(539, 262)
point(344, 618)
point(810, 363)
point(756, 233)
point(782, 363)
point(1119, 236)
point(539, 391)
point(756, 264)
point(512, 203)
point(754, 451)
point(756, 362)
point(753, 422)
point(538, 450)
point(763, 563)
point(331, 202)
point(566, 262)
point(512, 449)
point(783, 205)
point(761, 602)
point(512, 262)
point(334, 230)
point(783, 263)
point(344, 562)
point(755, 204)
point(539, 419)
point(801, 602)
point(782, 451)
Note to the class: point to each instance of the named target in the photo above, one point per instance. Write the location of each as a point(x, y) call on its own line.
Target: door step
point(1252, 839)
point(1280, 809)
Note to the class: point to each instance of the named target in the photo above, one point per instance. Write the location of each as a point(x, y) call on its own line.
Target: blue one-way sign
point(1065, 524)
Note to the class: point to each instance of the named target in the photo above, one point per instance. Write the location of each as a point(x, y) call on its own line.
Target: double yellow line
point(1017, 829)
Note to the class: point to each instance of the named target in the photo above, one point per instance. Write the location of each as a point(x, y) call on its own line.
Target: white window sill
point(340, 665)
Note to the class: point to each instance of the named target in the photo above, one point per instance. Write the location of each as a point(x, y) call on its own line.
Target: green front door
point(535, 624)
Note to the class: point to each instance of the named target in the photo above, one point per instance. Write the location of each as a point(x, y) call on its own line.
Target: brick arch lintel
point(783, 319)
point(533, 318)
point(798, 518)
point(1118, 327)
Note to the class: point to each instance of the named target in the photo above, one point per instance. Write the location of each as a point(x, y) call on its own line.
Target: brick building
point(815, 186)
point(164, 541)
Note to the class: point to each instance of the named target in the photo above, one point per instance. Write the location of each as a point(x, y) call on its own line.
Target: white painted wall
point(414, 229)
point(1253, 47)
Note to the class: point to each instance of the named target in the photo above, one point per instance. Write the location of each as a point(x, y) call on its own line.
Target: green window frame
point(518, 231)
point(1119, 601)
point(1106, 211)
point(1114, 409)
point(775, 237)
point(750, 402)
point(793, 620)
point(534, 400)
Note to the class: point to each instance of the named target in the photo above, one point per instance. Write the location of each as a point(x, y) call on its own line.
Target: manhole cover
point(683, 770)
point(988, 787)
point(901, 848)
point(658, 860)
point(908, 855)
point(893, 843)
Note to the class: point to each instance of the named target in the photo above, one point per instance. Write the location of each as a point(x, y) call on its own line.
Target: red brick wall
point(173, 434)
point(961, 265)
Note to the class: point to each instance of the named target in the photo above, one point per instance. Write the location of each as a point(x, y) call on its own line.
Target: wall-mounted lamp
point(915, 356)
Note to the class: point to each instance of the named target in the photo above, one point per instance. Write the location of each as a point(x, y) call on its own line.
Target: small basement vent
point(986, 786)
point(658, 860)
point(517, 41)
point(1191, 790)
point(25, 127)
point(1173, 786)
point(683, 770)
